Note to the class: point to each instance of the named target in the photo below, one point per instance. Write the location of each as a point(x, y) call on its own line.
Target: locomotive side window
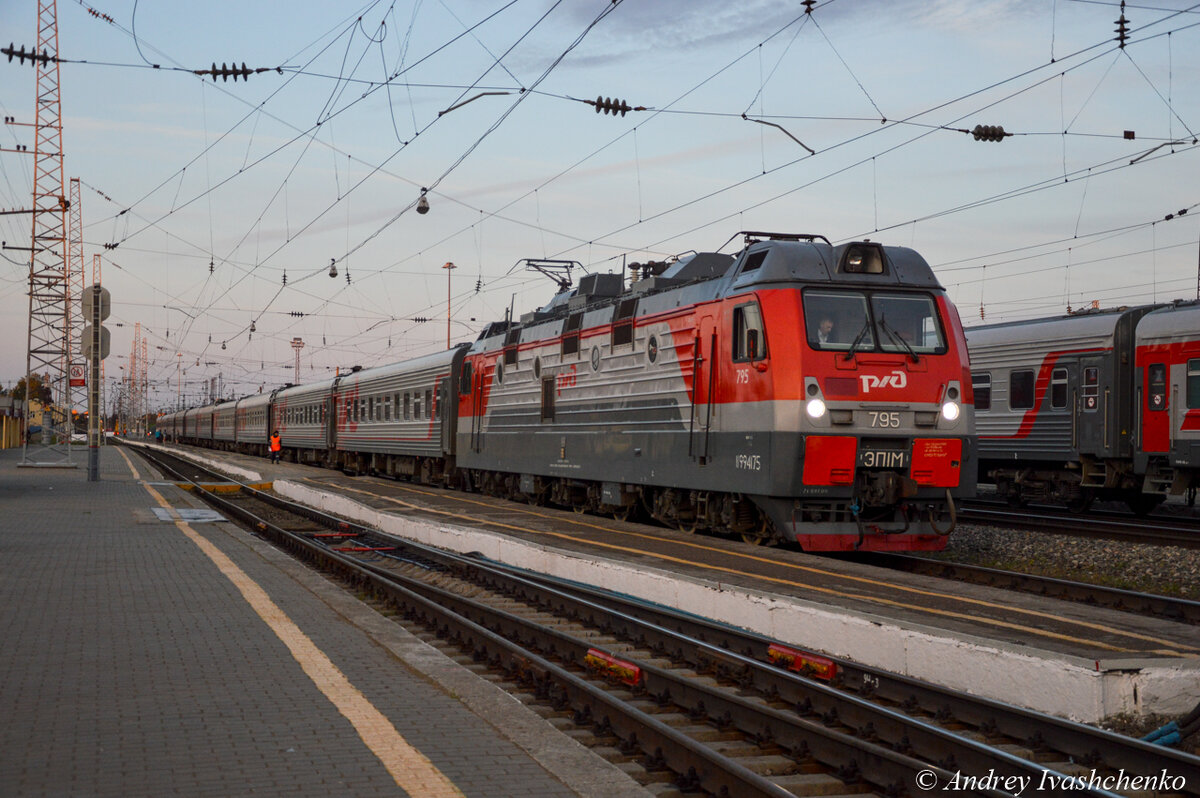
point(1193, 384)
point(749, 337)
point(570, 341)
point(1020, 390)
point(1156, 379)
point(981, 384)
point(754, 261)
point(1058, 389)
point(548, 399)
point(464, 383)
point(622, 331)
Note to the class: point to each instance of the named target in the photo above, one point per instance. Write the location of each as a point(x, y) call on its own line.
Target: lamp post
point(297, 344)
point(449, 267)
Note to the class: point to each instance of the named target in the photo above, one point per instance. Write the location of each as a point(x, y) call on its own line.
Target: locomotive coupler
point(882, 488)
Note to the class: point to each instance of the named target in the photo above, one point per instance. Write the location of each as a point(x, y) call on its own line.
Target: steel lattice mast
point(96, 281)
point(49, 337)
point(75, 283)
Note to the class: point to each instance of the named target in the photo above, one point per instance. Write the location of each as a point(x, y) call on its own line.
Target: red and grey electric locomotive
point(797, 391)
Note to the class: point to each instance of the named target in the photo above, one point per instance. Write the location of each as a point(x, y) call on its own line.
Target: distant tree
point(40, 393)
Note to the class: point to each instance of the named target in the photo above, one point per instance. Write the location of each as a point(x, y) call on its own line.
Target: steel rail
point(1164, 532)
point(1150, 604)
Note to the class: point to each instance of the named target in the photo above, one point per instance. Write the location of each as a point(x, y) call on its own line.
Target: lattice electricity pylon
point(96, 281)
point(75, 320)
point(144, 388)
point(48, 341)
point(137, 404)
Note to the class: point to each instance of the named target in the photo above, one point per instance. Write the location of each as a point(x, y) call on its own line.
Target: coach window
point(417, 405)
point(749, 337)
point(1020, 390)
point(1058, 389)
point(407, 406)
point(387, 407)
point(1156, 378)
point(1193, 384)
point(429, 404)
point(981, 386)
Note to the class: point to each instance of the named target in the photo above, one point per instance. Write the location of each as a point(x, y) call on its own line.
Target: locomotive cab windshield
point(873, 321)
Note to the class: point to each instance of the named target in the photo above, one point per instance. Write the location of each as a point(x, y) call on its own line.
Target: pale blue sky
point(285, 172)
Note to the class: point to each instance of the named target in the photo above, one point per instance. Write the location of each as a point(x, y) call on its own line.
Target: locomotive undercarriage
point(882, 502)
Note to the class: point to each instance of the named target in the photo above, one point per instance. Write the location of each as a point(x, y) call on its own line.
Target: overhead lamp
point(423, 203)
point(333, 267)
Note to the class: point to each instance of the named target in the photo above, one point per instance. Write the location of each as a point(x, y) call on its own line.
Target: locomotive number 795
point(880, 419)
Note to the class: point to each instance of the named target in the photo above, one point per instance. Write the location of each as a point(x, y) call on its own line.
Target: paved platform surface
point(145, 657)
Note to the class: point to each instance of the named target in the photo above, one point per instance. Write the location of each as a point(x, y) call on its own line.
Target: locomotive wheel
point(761, 535)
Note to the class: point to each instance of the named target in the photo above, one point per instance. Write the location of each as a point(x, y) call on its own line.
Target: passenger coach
point(1057, 408)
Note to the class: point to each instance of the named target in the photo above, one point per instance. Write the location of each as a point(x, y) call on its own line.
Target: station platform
point(1064, 658)
point(147, 655)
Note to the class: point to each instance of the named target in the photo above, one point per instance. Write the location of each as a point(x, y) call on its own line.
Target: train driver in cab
point(824, 331)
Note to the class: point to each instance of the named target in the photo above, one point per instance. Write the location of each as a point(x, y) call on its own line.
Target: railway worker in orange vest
point(276, 446)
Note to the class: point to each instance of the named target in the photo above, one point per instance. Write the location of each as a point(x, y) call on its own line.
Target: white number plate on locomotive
point(889, 420)
point(883, 458)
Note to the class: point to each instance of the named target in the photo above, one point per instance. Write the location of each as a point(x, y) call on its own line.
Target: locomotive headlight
point(950, 411)
point(815, 407)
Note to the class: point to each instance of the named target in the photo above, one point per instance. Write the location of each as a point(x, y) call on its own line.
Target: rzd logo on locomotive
point(897, 379)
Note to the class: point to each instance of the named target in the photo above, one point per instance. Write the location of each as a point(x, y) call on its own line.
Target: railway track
point(719, 710)
point(1149, 604)
point(1155, 530)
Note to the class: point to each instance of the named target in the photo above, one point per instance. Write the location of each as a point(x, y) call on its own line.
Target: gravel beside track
point(1167, 570)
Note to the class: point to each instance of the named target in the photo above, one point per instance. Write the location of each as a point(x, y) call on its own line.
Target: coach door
point(704, 374)
point(1093, 428)
point(447, 419)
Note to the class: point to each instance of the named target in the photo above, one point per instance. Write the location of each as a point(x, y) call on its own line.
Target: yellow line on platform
point(411, 770)
point(1171, 647)
point(128, 462)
